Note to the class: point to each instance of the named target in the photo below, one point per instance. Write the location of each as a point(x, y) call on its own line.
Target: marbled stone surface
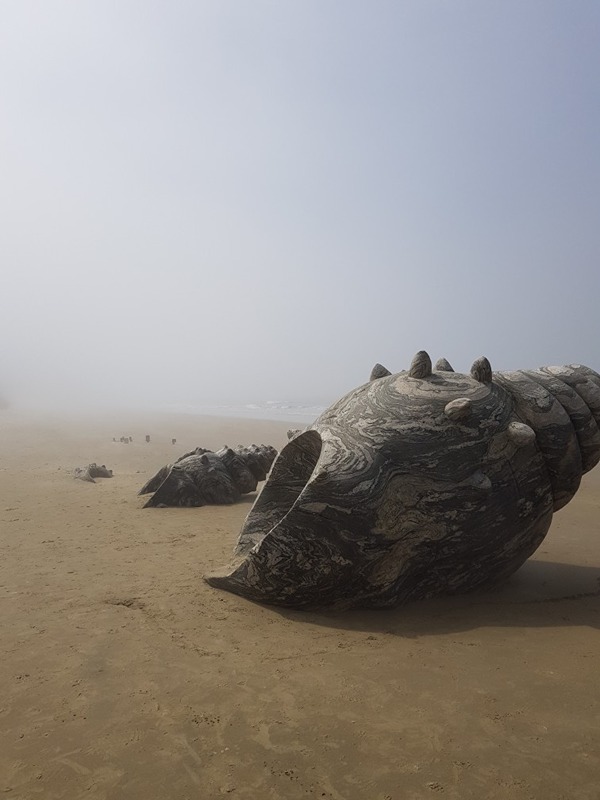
point(420, 483)
point(201, 477)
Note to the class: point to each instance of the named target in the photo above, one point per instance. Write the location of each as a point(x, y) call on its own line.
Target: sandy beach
point(125, 676)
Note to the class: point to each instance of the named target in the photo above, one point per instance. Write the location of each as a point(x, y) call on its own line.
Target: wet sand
point(123, 675)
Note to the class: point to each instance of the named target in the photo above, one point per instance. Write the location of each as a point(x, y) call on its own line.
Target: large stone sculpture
point(417, 484)
point(201, 477)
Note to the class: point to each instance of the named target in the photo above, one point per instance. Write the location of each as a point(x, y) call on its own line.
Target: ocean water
point(302, 414)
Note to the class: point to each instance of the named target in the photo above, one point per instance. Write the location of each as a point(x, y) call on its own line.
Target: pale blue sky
point(254, 200)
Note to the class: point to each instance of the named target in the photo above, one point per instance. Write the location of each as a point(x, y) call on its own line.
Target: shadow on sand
point(541, 594)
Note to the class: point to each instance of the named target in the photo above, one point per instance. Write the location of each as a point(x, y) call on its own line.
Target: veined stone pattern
point(417, 484)
point(201, 477)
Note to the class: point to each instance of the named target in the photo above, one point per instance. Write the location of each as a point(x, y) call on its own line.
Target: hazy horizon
point(224, 202)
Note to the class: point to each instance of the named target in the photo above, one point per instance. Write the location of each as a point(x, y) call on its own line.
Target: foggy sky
point(244, 201)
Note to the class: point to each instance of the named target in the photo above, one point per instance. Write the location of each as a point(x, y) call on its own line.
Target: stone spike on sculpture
point(521, 434)
point(481, 370)
point(379, 371)
point(409, 488)
point(420, 366)
point(459, 408)
point(442, 365)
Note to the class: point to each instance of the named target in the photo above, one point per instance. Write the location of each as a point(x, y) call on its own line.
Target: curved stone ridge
point(420, 483)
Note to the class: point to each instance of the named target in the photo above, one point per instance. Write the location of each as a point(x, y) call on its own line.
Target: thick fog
point(246, 201)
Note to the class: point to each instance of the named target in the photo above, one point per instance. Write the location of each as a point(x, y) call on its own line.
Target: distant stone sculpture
point(417, 484)
point(92, 471)
point(201, 477)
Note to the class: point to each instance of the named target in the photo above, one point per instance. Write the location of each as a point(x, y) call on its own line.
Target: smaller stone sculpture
point(92, 471)
point(202, 477)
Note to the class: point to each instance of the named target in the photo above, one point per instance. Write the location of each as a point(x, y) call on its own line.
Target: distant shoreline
point(268, 412)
